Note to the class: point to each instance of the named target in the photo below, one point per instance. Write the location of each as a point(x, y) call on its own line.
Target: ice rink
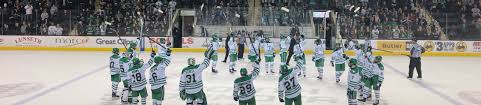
point(82, 78)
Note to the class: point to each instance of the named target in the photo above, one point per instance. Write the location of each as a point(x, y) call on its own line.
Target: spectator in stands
point(43, 29)
point(23, 28)
point(28, 12)
point(44, 16)
point(475, 11)
point(375, 33)
point(59, 30)
point(53, 9)
point(52, 29)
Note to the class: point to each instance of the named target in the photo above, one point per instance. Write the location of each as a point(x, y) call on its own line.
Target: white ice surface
point(81, 78)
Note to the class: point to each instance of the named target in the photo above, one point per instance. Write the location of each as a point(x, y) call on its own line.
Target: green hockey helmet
point(243, 72)
point(136, 61)
point(132, 45)
point(215, 37)
point(115, 50)
point(157, 59)
point(352, 62)
point(191, 61)
point(378, 59)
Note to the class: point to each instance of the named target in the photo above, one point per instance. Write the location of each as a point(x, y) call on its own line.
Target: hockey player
point(370, 78)
point(269, 55)
point(302, 43)
point(300, 59)
point(353, 78)
point(115, 71)
point(158, 78)
point(138, 80)
point(244, 90)
point(318, 58)
point(125, 64)
point(214, 44)
point(339, 59)
point(253, 51)
point(191, 85)
point(284, 46)
point(232, 54)
point(288, 87)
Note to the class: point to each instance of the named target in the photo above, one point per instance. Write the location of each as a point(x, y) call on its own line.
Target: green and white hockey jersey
point(125, 65)
point(354, 78)
point(157, 73)
point(289, 86)
point(338, 57)
point(115, 64)
point(380, 71)
point(191, 77)
point(269, 50)
point(298, 52)
point(284, 45)
point(244, 86)
point(319, 52)
point(232, 46)
point(137, 75)
point(369, 69)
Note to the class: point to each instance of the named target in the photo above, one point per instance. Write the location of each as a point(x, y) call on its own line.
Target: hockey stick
point(252, 45)
point(123, 42)
point(391, 52)
point(155, 41)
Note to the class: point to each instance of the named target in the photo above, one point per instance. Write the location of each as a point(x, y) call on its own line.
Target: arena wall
point(199, 44)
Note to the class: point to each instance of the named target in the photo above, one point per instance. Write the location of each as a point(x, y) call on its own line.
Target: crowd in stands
point(84, 17)
point(388, 19)
point(460, 18)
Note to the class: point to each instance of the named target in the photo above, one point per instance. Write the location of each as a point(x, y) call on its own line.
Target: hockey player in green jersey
point(339, 59)
point(191, 85)
point(318, 58)
point(125, 64)
point(115, 71)
point(232, 54)
point(138, 81)
point(372, 77)
point(289, 88)
point(269, 55)
point(244, 90)
point(214, 44)
point(284, 46)
point(158, 78)
point(354, 79)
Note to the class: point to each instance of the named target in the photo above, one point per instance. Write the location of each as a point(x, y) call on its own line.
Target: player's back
point(191, 79)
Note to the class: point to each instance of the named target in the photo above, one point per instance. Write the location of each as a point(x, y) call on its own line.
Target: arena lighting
point(352, 8)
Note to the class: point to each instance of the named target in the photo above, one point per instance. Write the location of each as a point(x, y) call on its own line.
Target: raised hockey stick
point(252, 45)
point(123, 42)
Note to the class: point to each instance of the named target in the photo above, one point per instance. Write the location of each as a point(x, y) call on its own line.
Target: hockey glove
point(182, 95)
point(236, 98)
point(281, 100)
point(345, 56)
point(152, 54)
point(169, 51)
point(332, 63)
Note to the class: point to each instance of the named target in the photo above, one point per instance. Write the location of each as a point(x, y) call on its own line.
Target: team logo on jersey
point(429, 45)
point(461, 46)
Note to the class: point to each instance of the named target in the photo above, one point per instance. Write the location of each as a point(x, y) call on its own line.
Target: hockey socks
point(115, 85)
point(338, 76)
point(321, 72)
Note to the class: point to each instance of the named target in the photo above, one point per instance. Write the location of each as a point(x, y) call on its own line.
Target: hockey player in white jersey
point(138, 81)
point(289, 89)
point(125, 64)
point(214, 44)
point(244, 90)
point(191, 85)
point(338, 61)
point(158, 78)
point(318, 58)
point(232, 54)
point(269, 55)
point(284, 46)
point(253, 50)
point(299, 57)
point(115, 71)
point(371, 75)
point(354, 79)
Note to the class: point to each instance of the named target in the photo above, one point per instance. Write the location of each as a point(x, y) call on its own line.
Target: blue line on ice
point(427, 87)
point(33, 97)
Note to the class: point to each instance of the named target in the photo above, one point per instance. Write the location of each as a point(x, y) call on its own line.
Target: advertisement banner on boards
point(476, 46)
point(391, 45)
